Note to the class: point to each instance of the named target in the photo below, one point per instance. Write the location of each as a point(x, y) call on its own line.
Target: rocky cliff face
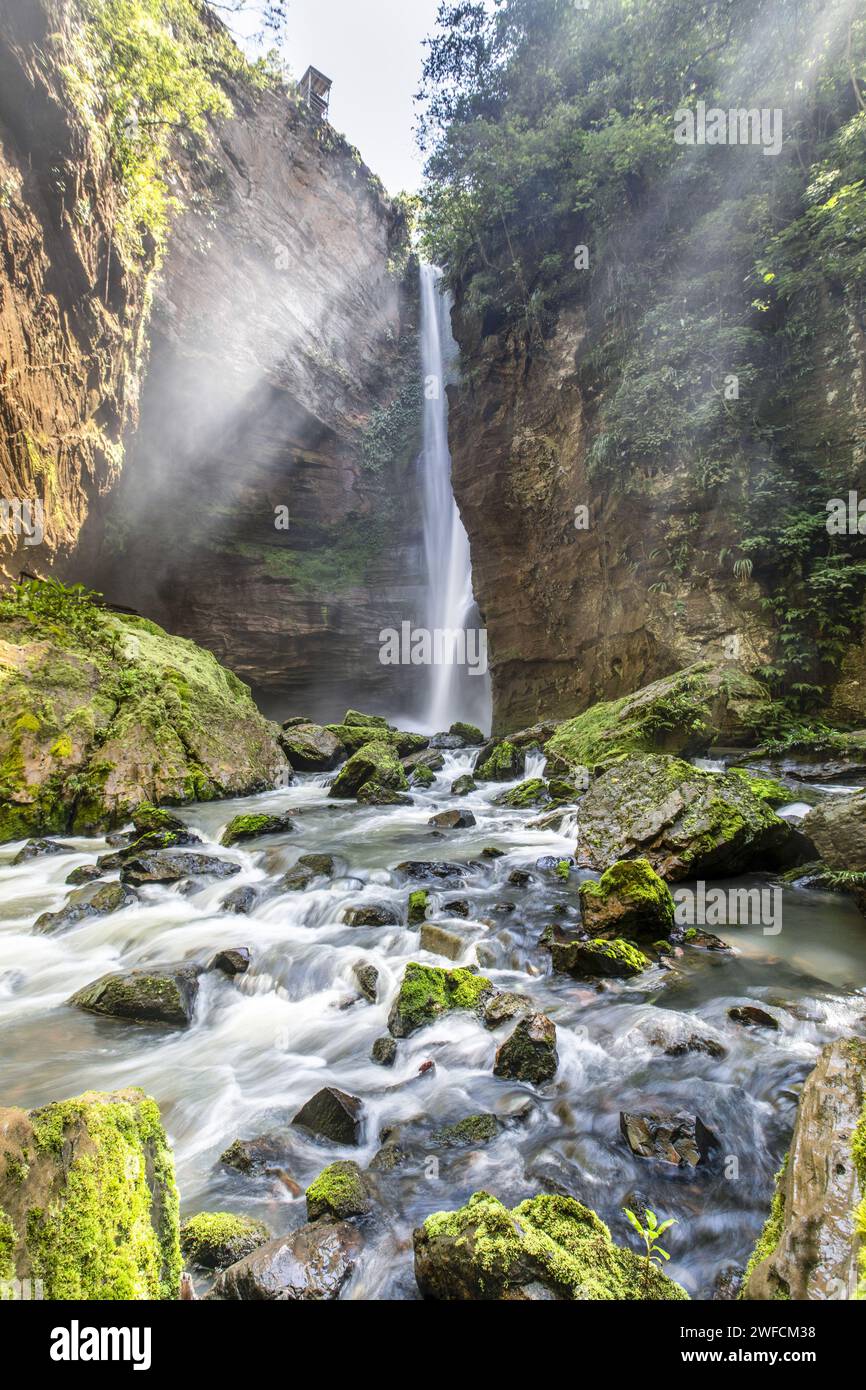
point(264, 506)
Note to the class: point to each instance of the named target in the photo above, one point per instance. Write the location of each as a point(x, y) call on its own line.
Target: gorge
point(364, 977)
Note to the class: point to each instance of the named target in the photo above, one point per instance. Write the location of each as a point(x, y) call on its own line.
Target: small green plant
point(650, 1234)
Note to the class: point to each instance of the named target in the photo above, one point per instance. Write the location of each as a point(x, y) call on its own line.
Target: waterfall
point(455, 692)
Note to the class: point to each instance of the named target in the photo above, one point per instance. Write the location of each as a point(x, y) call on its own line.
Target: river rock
point(615, 959)
point(453, 820)
point(339, 1191)
point(502, 762)
point(430, 871)
point(171, 868)
point(811, 1247)
point(263, 1153)
point(144, 996)
point(311, 748)
point(421, 776)
point(310, 1264)
point(676, 1035)
point(427, 992)
point(251, 827)
point(442, 941)
point(629, 900)
point(526, 794)
point(86, 903)
point(529, 1054)
point(837, 828)
point(332, 1115)
point(752, 1017)
point(37, 849)
point(372, 794)
point(687, 823)
point(549, 1247)
point(374, 762)
point(671, 1138)
point(368, 978)
point(502, 1008)
point(468, 1132)
point(148, 818)
point(371, 915)
point(240, 900)
point(216, 1239)
point(85, 873)
point(472, 737)
point(427, 757)
point(88, 1202)
point(233, 961)
point(384, 1052)
point(458, 907)
point(463, 785)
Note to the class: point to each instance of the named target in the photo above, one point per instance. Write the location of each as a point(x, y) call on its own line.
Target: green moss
point(374, 762)
point(8, 1242)
point(338, 1191)
point(617, 958)
point(215, 1239)
point(769, 1237)
point(633, 886)
point(474, 1129)
point(504, 761)
point(563, 870)
point(103, 1236)
point(249, 826)
point(764, 788)
point(530, 793)
point(469, 732)
point(427, 992)
point(417, 906)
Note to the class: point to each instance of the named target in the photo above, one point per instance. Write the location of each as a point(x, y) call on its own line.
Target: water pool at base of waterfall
point(263, 1043)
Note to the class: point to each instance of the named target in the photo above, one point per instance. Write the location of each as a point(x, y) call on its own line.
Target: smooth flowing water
point(262, 1044)
point(456, 690)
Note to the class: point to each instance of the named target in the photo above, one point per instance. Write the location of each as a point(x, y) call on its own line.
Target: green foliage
point(650, 1234)
point(68, 613)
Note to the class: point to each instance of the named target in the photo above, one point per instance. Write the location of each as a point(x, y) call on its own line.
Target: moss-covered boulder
point(686, 822)
point(417, 906)
point(84, 904)
point(144, 996)
point(421, 776)
point(311, 747)
point(151, 820)
point(629, 900)
point(100, 712)
point(216, 1239)
point(309, 1265)
point(530, 793)
point(586, 960)
point(427, 992)
point(684, 714)
point(549, 1246)
point(530, 1053)
point(251, 827)
point(502, 763)
point(470, 733)
point(767, 789)
point(356, 719)
point(469, 1132)
point(339, 1191)
point(88, 1201)
point(374, 762)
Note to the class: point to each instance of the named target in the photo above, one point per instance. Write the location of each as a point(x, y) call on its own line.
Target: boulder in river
point(85, 873)
point(368, 978)
point(235, 960)
point(159, 867)
point(241, 900)
point(525, 794)
point(375, 762)
point(529, 1054)
point(339, 1191)
point(628, 900)
point(671, 1138)
point(421, 776)
point(432, 871)
point(373, 794)
point(384, 1052)
point(216, 1239)
point(812, 1244)
point(263, 1153)
point(38, 849)
point(837, 828)
point(472, 737)
point(427, 992)
point(417, 906)
point(442, 941)
point(750, 1016)
point(502, 762)
point(686, 822)
point(615, 959)
point(148, 818)
point(452, 820)
point(251, 827)
point(165, 995)
point(88, 1202)
point(310, 1264)
point(86, 903)
point(311, 747)
point(463, 785)
point(333, 1115)
point(550, 1247)
point(469, 1132)
point(371, 915)
point(504, 1007)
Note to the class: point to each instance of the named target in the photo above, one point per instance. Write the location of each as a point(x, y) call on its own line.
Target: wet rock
point(752, 1017)
point(85, 873)
point(427, 992)
point(371, 915)
point(502, 763)
point(325, 865)
point(458, 907)
point(144, 996)
point(428, 871)
point(389, 1157)
point(629, 900)
point(447, 741)
point(240, 900)
point(837, 828)
point(148, 818)
point(171, 868)
point(676, 1035)
point(216, 1239)
point(696, 936)
point(529, 1054)
point(251, 827)
point(374, 762)
point(463, 785)
point(686, 822)
point(428, 757)
point(502, 1008)
point(554, 1174)
point(452, 820)
point(468, 1132)
point(158, 840)
point(37, 849)
point(422, 776)
point(332, 1114)
point(86, 903)
point(339, 1191)
point(811, 1246)
point(472, 737)
point(296, 880)
point(531, 793)
point(616, 959)
point(310, 747)
point(234, 961)
point(519, 878)
point(439, 941)
point(368, 978)
point(310, 1264)
point(727, 1284)
point(263, 1153)
point(671, 1138)
point(417, 906)
point(371, 794)
point(384, 1052)
point(549, 1247)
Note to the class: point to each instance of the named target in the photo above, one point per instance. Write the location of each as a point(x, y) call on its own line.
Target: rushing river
point(263, 1043)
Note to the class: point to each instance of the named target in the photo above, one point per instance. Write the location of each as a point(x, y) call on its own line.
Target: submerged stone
point(466, 1133)
point(384, 1052)
point(159, 867)
point(671, 1138)
point(752, 1017)
point(371, 915)
point(241, 900)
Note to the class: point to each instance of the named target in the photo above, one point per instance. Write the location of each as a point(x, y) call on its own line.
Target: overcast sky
point(371, 49)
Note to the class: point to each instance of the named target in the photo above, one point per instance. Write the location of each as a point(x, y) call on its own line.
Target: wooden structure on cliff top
point(315, 89)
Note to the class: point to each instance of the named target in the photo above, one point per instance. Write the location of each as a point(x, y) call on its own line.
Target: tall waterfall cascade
point(457, 690)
